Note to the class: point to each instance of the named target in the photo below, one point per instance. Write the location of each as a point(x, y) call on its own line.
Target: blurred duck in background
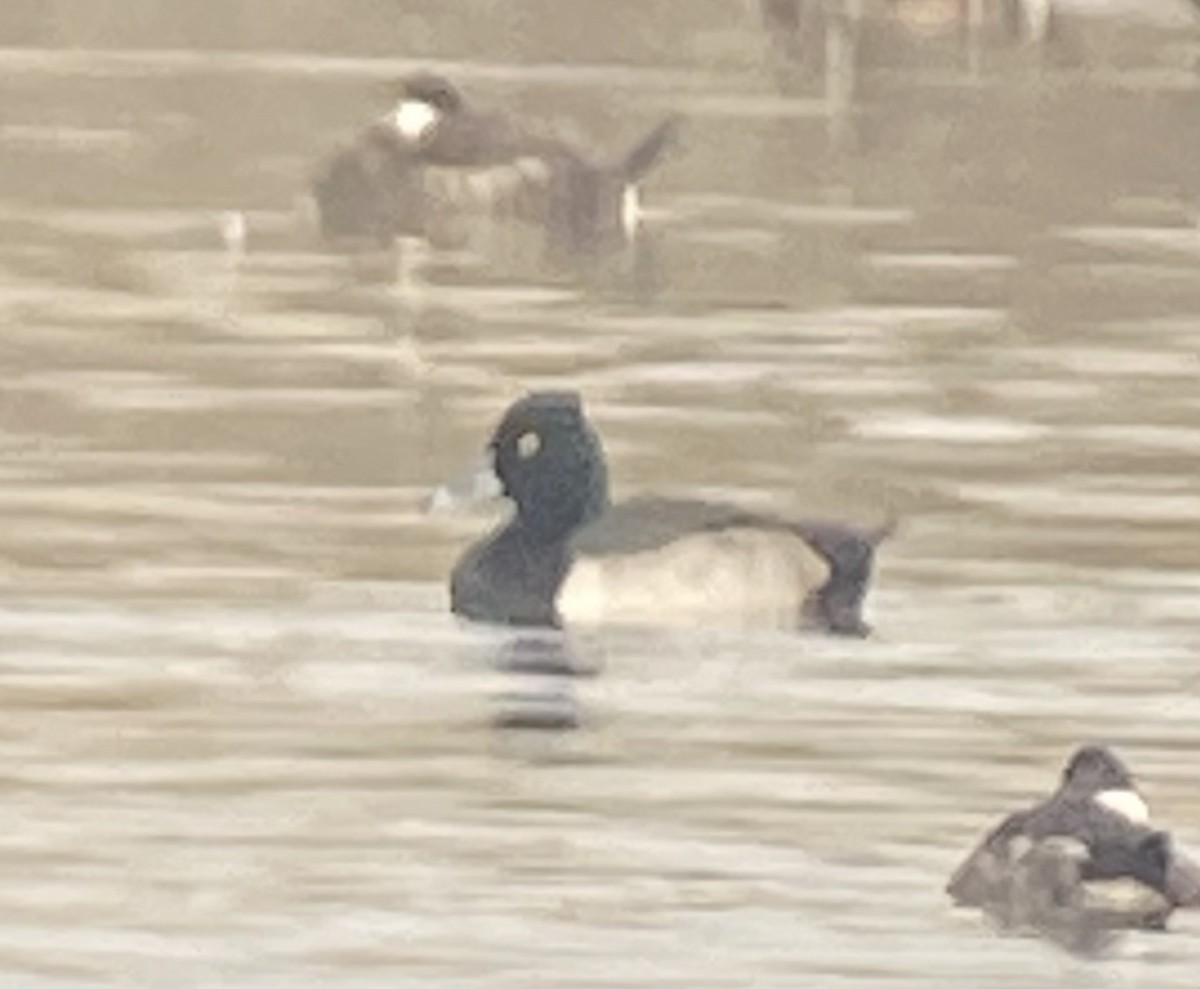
point(1081, 865)
point(434, 154)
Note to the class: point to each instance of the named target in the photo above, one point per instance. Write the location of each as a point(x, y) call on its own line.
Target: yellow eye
point(528, 445)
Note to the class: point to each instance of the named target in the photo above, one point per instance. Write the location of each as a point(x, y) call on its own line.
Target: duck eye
point(528, 445)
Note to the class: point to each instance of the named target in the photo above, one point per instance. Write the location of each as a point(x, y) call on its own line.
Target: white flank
point(631, 211)
point(1128, 803)
point(737, 578)
point(413, 118)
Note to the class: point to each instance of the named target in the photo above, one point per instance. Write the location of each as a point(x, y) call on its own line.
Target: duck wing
point(585, 206)
point(648, 523)
point(479, 139)
point(984, 875)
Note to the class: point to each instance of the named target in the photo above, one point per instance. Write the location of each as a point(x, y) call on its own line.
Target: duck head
point(1095, 773)
point(547, 459)
point(424, 100)
point(550, 462)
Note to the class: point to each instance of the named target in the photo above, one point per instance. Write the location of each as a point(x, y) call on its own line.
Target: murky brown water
point(243, 741)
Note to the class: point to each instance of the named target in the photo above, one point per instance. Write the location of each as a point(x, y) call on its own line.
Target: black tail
point(644, 155)
point(843, 547)
point(1183, 880)
point(848, 552)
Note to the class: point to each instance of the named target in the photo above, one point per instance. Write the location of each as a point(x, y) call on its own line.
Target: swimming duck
point(569, 555)
point(1080, 864)
point(433, 148)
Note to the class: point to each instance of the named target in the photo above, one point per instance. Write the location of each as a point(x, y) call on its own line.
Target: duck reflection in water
point(541, 670)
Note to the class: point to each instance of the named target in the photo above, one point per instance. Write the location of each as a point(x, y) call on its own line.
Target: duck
point(1081, 864)
point(1050, 892)
point(569, 555)
point(370, 190)
point(434, 149)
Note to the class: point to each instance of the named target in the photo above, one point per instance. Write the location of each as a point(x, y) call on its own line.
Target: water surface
point(244, 741)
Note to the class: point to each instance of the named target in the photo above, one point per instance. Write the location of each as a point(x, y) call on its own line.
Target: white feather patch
point(413, 118)
point(631, 211)
point(1128, 803)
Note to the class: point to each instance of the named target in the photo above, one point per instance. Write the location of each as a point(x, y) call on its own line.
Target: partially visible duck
point(435, 150)
point(1053, 866)
point(569, 555)
point(371, 189)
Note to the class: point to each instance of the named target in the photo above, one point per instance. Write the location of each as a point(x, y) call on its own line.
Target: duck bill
point(475, 485)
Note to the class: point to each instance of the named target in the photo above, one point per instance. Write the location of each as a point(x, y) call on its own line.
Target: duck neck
point(563, 510)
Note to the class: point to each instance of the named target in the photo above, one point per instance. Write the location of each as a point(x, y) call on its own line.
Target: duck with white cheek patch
point(1082, 864)
point(435, 152)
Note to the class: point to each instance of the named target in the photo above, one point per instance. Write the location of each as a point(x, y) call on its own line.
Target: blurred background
point(914, 257)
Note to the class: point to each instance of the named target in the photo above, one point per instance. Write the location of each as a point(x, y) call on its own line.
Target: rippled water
point(245, 743)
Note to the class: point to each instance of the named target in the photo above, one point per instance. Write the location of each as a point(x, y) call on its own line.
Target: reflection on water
point(244, 742)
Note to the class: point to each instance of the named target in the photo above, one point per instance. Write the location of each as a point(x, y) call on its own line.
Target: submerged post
point(975, 15)
point(842, 22)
